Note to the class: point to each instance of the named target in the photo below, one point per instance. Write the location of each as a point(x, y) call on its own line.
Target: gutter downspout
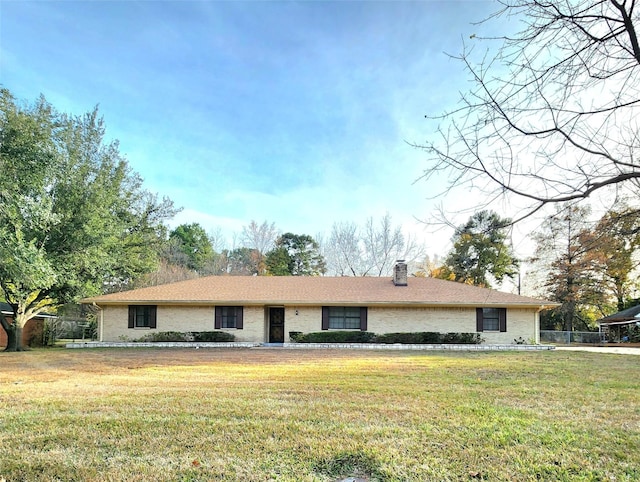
point(100, 322)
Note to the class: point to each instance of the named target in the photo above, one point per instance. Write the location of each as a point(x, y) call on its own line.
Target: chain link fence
point(568, 337)
point(66, 329)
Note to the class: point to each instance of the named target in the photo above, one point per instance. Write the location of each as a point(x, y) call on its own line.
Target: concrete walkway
point(617, 350)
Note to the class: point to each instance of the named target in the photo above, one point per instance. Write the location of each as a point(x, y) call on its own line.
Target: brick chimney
point(400, 273)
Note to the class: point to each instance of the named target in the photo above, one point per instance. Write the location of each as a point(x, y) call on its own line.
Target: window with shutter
point(491, 319)
point(229, 317)
point(344, 318)
point(143, 316)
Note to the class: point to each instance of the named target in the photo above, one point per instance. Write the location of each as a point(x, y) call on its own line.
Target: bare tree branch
point(370, 250)
point(552, 116)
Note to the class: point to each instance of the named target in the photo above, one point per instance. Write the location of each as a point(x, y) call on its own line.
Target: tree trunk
point(18, 335)
point(19, 322)
point(569, 316)
point(621, 301)
point(10, 330)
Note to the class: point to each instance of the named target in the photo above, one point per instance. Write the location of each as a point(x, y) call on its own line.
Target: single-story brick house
point(265, 309)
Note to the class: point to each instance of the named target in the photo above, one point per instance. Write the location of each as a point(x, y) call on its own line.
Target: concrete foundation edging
point(310, 346)
point(159, 344)
point(400, 346)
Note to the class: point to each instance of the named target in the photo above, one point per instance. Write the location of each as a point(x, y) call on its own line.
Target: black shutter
point(239, 321)
point(218, 318)
point(153, 316)
point(132, 316)
point(325, 317)
point(502, 319)
point(479, 320)
point(363, 318)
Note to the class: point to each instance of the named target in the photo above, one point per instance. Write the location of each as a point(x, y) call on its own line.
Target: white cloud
point(291, 113)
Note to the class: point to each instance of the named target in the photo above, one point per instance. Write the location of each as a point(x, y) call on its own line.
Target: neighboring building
point(619, 326)
point(33, 332)
point(266, 308)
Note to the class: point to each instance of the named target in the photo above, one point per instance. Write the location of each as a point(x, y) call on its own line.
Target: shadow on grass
point(351, 466)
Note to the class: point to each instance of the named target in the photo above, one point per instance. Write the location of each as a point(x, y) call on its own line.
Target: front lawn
point(298, 415)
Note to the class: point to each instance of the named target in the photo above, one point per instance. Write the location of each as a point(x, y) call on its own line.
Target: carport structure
point(614, 328)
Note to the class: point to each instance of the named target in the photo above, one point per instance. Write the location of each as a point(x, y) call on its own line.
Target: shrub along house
point(265, 309)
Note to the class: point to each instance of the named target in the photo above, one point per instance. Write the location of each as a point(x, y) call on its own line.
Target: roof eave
point(387, 304)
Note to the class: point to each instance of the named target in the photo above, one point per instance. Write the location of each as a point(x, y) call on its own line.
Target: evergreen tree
point(480, 252)
point(295, 255)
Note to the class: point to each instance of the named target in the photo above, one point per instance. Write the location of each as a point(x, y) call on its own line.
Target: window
point(491, 319)
point(228, 317)
point(142, 316)
point(344, 318)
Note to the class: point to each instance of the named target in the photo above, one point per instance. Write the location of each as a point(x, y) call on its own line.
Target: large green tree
point(295, 255)
point(74, 218)
point(480, 252)
point(194, 243)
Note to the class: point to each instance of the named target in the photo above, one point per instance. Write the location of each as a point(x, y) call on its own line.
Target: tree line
point(75, 220)
point(589, 266)
point(550, 120)
point(350, 250)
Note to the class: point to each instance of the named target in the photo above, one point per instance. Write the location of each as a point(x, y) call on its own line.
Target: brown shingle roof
point(299, 290)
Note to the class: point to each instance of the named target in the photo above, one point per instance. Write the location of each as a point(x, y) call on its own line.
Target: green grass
point(260, 415)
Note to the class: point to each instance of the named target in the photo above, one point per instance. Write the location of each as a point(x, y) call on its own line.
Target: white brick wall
point(182, 319)
point(113, 326)
point(520, 323)
point(308, 319)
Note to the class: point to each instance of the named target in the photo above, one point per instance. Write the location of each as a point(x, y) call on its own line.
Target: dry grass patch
point(258, 415)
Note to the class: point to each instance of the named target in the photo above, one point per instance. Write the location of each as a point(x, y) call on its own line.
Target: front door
point(276, 325)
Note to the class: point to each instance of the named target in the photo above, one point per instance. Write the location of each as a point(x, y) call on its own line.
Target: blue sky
point(297, 113)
